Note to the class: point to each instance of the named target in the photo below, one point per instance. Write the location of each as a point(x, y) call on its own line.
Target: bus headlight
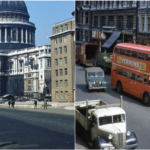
point(99, 82)
point(128, 133)
point(110, 136)
point(93, 82)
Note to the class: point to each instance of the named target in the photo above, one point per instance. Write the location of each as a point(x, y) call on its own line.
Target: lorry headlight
point(128, 133)
point(99, 82)
point(110, 136)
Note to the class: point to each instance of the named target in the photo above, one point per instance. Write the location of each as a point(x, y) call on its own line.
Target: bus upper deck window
point(122, 51)
point(147, 57)
point(128, 53)
point(117, 51)
point(134, 54)
point(141, 56)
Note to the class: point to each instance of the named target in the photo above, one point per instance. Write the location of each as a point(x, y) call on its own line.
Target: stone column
point(30, 37)
point(140, 23)
point(145, 23)
point(33, 38)
point(84, 2)
point(92, 6)
point(98, 4)
point(22, 35)
point(83, 35)
point(124, 4)
point(106, 4)
point(110, 5)
point(5, 34)
point(17, 34)
point(0, 35)
point(26, 36)
point(83, 17)
point(115, 4)
point(11, 37)
point(134, 3)
point(102, 7)
point(120, 4)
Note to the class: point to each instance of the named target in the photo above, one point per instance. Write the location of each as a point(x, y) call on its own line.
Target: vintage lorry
point(104, 125)
point(94, 78)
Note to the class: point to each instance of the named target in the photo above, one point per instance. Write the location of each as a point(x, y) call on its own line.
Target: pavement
point(63, 111)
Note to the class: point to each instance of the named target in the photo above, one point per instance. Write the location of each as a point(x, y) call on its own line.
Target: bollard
point(121, 101)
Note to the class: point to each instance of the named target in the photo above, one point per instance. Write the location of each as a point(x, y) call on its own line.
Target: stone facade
point(62, 54)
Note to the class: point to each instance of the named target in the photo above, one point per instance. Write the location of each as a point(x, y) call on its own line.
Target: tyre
point(119, 87)
point(95, 144)
point(146, 100)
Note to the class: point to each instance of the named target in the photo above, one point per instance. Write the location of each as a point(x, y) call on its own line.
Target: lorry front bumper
point(96, 88)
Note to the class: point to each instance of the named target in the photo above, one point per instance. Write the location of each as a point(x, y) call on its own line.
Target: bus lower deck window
point(132, 76)
point(139, 78)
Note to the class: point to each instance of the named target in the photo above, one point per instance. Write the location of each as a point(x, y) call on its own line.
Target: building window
point(65, 49)
point(66, 26)
point(142, 24)
point(60, 61)
point(41, 64)
point(56, 62)
point(61, 72)
point(55, 41)
point(86, 17)
point(61, 29)
point(61, 95)
point(65, 38)
point(56, 52)
point(65, 60)
point(60, 39)
point(111, 21)
point(29, 81)
point(95, 21)
point(66, 72)
point(48, 62)
point(86, 36)
point(61, 83)
point(56, 73)
point(56, 94)
point(66, 94)
point(66, 83)
point(56, 83)
point(29, 88)
point(60, 50)
point(87, 2)
point(130, 22)
point(56, 29)
point(102, 21)
point(148, 24)
point(120, 22)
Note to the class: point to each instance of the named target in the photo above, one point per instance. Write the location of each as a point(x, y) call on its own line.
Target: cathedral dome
point(13, 6)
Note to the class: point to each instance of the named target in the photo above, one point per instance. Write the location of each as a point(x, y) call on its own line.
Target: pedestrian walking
point(13, 103)
point(94, 64)
point(45, 104)
point(35, 104)
point(9, 103)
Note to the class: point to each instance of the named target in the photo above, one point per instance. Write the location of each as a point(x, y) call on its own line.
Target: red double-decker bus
point(131, 70)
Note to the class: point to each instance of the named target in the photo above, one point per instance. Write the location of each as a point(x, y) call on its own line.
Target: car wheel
point(119, 87)
point(146, 100)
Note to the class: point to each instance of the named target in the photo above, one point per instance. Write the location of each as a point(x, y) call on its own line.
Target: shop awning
point(111, 39)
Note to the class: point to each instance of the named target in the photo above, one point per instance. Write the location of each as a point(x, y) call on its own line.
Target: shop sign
point(98, 35)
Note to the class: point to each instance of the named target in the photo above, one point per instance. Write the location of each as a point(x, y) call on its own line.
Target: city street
point(36, 129)
point(138, 119)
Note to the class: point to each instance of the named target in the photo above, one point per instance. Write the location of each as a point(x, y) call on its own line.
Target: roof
point(109, 111)
point(136, 47)
point(94, 69)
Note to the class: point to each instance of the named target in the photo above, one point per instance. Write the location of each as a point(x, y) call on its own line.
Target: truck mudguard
point(131, 141)
point(103, 143)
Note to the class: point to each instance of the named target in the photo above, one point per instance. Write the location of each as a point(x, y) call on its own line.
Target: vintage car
point(94, 78)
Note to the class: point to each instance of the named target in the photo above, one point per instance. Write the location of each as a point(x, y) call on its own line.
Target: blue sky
point(44, 14)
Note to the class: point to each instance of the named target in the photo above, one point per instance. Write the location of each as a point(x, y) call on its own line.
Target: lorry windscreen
point(111, 119)
point(95, 74)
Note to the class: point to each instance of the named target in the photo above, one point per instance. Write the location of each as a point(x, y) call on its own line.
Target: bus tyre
point(146, 100)
point(119, 87)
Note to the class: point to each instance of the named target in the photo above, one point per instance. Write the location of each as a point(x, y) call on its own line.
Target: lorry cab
point(94, 78)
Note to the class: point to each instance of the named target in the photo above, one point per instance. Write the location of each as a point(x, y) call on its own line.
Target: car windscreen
point(111, 119)
point(95, 74)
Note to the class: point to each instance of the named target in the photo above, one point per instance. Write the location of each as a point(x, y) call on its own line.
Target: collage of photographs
point(74, 74)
